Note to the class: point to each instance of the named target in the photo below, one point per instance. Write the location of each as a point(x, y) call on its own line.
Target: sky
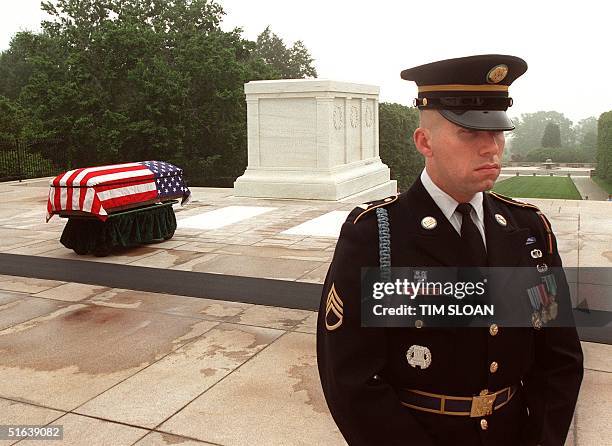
point(566, 44)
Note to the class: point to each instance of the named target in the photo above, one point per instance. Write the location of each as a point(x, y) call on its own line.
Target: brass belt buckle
point(483, 404)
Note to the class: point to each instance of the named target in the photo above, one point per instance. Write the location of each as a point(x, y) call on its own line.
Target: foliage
point(531, 131)
point(604, 146)
point(397, 124)
point(556, 155)
point(586, 137)
point(604, 184)
point(127, 80)
point(289, 63)
point(551, 136)
point(530, 128)
point(538, 187)
point(11, 118)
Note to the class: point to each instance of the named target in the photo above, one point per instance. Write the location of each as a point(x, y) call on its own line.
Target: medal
point(544, 315)
point(553, 310)
point(536, 321)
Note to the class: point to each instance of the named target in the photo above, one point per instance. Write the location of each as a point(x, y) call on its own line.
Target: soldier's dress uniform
point(377, 397)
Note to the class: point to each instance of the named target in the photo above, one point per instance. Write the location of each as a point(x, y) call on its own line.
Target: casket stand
point(87, 234)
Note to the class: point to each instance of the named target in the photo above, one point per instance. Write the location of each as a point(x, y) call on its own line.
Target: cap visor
point(479, 119)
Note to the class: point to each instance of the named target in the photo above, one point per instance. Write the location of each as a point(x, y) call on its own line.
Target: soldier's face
point(461, 161)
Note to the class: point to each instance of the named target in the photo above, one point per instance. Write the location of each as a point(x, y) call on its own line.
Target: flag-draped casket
point(100, 191)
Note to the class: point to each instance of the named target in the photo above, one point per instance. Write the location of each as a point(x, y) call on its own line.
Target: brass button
point(418, 323)
point(493, 367)
point(484, 425)
point(493, 329)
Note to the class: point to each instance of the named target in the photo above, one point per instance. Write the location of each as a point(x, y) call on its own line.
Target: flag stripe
point(131, 199)
point(137, 181)
point(110, 194)
point(76, 197)
point(88, 202)
point(84, 172)
point(51, 200)
point(73, 194)
point(115, 176)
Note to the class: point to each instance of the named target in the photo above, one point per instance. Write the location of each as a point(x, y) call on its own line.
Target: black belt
point(474, 406)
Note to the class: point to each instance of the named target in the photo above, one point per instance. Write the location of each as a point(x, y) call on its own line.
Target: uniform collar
point(445, 202)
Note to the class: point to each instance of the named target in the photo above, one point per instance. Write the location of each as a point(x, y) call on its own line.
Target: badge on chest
point(417, 355)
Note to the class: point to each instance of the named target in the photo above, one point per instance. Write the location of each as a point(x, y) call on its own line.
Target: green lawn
point(605, 185)
point(538, 187)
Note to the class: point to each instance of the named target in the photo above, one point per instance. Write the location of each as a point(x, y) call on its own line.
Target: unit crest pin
point(501, 220)
point(429, 222)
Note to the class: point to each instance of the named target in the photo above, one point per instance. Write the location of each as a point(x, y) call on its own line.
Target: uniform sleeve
point(552, 386)
point(365, 408)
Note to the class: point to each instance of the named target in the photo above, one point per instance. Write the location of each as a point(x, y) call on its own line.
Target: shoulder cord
point(549, 243)
point(384, 243)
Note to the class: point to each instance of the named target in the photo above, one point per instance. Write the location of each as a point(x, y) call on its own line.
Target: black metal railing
point(21, 159)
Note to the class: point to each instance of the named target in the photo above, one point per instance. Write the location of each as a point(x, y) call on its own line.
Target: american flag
point(97, 190)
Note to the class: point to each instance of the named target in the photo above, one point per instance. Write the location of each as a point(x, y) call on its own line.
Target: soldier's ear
point(422, 141)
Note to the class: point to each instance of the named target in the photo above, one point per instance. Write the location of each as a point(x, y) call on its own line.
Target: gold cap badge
point(497, 74)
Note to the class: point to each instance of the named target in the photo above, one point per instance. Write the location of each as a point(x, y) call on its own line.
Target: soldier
point(448, 386)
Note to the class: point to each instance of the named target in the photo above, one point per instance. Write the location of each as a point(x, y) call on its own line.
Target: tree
point(397, 124)
point(604, 146)
point(552, 136)
point(11, 118)
point(530, 128)
point(290, 63)
point(586, 137)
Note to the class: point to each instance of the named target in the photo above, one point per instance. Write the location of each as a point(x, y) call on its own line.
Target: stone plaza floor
point(119, 366)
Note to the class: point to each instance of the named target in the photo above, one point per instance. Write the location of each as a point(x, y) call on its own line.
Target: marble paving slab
point(326, 225)
point(281, 404)
point(72, 354)
point(157, 392)
point(222, 217)
point(80, 430)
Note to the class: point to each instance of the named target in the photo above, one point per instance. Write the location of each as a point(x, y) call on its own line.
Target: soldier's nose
point(490, 142)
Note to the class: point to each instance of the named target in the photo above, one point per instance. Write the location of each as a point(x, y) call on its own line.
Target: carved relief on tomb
point(354, 117)
point(338, 117)
point(369, 116)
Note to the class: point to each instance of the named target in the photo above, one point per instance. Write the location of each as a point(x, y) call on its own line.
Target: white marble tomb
point(313, 139)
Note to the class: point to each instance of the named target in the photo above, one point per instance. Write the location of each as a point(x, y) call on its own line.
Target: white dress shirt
point(448, 206)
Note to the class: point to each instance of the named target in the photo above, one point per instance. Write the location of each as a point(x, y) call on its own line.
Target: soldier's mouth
point(488, 168)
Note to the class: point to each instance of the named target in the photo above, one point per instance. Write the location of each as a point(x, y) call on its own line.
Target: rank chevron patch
point(333, 309)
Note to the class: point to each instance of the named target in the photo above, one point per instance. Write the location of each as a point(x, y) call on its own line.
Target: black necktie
point(474, 253)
